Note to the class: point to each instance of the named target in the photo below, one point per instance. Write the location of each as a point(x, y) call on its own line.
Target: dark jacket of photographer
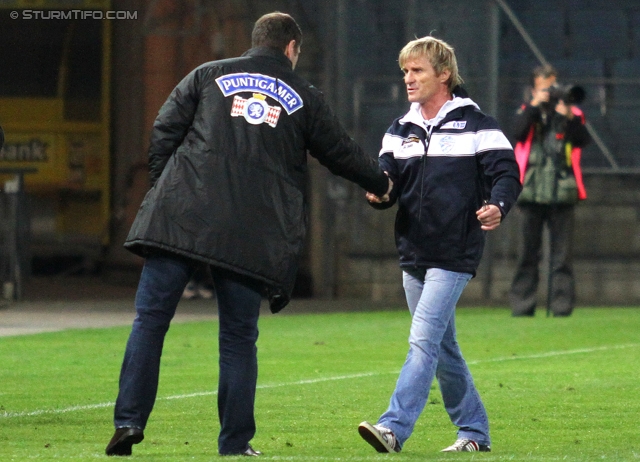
point(229, 178)
point(548, 151)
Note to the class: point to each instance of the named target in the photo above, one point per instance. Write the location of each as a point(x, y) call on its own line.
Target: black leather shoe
point(123, 439)
point(251, 452)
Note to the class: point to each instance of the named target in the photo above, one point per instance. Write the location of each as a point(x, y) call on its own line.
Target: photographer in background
point(549, 134)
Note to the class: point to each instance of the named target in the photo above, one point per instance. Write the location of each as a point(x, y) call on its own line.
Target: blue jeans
point(161, 284)
point(432, 295)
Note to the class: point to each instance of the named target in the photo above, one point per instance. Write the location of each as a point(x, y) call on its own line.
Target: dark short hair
point(276, 30)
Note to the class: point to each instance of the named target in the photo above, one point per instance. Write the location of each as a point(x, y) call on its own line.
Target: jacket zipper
point(426, 142)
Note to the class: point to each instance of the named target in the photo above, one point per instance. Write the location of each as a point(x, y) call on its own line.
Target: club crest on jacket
point(255, 110)
point(447, 143)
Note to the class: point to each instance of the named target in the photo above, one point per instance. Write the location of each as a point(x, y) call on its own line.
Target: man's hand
point(375, 199)
point(379, 200)
point(564, 109)
point(489, 217)
point(539, 96)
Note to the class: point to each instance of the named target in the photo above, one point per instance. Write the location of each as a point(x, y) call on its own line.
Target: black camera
point(569, 94)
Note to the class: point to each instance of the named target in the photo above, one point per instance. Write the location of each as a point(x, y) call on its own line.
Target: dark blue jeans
point(161, 284)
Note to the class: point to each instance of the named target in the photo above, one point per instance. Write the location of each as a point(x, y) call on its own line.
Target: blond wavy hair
point(440, 55)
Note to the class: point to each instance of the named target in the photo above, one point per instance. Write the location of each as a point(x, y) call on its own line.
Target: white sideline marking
point(556, 353)
point(189, 395)
point(323, 379)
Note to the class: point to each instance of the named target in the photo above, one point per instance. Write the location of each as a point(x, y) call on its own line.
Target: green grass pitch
point(556, 389)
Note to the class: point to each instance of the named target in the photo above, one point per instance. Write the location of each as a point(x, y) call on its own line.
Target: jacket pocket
point(567, 189)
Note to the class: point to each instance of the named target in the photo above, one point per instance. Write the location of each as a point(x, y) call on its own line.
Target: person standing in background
point(550, 133)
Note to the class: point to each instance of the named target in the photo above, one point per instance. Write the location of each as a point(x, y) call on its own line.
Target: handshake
point(378, 199)
point(489, 215)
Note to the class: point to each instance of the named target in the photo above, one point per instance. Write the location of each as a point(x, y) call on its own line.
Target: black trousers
point(523, 294)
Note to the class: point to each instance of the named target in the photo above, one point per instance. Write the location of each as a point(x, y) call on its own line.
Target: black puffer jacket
point(228, 164)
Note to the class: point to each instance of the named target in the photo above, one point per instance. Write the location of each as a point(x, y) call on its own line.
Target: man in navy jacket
point(455, 177)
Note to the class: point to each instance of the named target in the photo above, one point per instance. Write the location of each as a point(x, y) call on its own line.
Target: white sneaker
point(205, 292)
point(190, 291)
point(467, 445)
point(381, 438)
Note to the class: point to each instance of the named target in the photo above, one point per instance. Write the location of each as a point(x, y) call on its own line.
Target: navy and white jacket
point(443, 170)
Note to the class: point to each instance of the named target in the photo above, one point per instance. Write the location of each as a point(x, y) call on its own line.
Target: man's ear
point(290, 50)
point(445, 75)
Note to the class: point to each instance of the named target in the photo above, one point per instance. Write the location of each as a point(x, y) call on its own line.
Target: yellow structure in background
point(54, 107)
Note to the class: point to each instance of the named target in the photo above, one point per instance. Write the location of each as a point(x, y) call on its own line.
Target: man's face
point(421, 79)
point(541, 85)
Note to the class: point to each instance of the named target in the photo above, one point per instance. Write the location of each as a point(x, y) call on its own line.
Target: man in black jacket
point(228, 162)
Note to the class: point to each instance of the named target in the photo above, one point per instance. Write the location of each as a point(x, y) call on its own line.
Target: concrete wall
point(606, 263)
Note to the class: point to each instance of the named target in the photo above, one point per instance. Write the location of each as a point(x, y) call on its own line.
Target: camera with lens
point(569, 94)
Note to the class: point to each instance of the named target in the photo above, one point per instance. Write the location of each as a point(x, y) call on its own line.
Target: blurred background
point(78, 96)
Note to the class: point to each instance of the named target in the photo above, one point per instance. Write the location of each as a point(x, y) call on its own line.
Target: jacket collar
point(414, 115)
point(270, 53)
